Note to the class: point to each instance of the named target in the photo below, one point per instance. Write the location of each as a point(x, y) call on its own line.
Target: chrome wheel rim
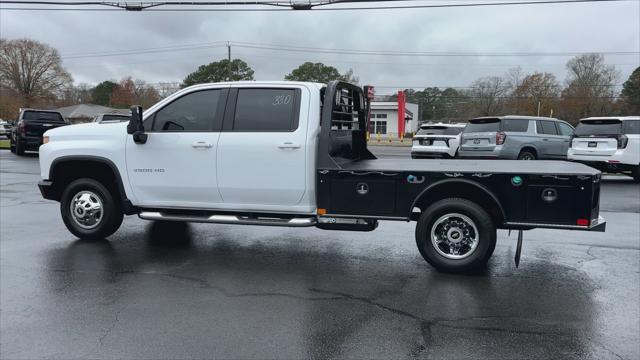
point(86, 209)
point(454, 236)
point(526, 157)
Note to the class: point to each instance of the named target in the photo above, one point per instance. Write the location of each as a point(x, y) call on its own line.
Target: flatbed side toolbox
point(351, 194)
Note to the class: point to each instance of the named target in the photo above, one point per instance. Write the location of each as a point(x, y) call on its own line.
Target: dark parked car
point(31, 124)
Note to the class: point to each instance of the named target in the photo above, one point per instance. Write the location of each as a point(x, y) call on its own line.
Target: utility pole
point(229, 58)
point(539, 107)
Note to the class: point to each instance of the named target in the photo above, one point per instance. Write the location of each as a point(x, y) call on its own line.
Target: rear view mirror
point(136, 126)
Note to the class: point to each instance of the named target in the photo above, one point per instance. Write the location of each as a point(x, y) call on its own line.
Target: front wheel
point(90, 210)
point(636, 173)
point(456, 235)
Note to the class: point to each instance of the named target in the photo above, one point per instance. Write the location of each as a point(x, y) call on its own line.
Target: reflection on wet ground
point(171, 290)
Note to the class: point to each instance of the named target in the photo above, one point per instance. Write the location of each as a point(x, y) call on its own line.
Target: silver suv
point(515, 137)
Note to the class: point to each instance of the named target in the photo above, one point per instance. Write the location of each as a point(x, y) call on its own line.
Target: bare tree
point(32, 70)
point(488, 94)
point(145, 94)
point(590, 87)
point(167, 88)
point(75, 95)
point(130, 92)
point(538, 91)
point(350, 77)
point(513, 78)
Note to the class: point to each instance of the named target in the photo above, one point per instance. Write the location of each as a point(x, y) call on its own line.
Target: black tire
point(636, 174)
point(476, 259)
point(12, 147)
point(19, 147)
point(526, 155)
point(111, 217)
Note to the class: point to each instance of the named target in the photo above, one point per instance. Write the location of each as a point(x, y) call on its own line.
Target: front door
point(551, 143)
point(176, 167)
point(566, 133)
point(262, 149)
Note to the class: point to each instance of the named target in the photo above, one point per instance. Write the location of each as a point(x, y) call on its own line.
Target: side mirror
point(136, 127)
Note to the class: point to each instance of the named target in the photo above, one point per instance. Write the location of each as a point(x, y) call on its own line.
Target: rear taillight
point(582, 222)
point(21, 128)
point(500, 137)
point(622, 141)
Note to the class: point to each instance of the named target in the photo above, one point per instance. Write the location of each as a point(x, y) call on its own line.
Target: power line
point(177, 6)
point(414, 53)
point(336, 51)
point(141, 51)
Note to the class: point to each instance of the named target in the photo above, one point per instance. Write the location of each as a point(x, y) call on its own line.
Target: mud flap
point(518, 248)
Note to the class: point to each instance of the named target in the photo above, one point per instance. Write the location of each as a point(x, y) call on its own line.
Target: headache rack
point(343, 135)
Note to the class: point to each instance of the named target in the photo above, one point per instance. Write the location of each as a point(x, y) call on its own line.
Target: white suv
point(436, 140)
point(610, 144)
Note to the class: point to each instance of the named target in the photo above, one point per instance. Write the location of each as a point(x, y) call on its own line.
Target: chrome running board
point(230, 219)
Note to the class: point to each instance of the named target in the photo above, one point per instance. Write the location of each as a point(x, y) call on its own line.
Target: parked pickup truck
point(295, 154)
point(28, 130)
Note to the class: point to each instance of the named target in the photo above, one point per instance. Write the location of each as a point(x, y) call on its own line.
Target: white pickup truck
point(295, 154)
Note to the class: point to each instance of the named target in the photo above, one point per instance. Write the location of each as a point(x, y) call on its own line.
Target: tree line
point(32, 75)
point(590, 89)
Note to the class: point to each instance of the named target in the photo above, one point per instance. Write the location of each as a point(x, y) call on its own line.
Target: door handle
point(288, 145)
point(545, 139)
point(201, 145)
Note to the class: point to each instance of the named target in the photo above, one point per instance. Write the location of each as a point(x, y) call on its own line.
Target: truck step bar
point(230, 219)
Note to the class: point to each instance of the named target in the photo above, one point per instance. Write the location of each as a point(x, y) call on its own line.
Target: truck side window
point(547, 127)
point(515, 125)
point(266, 110)
point(565, 130)
point(192, 112)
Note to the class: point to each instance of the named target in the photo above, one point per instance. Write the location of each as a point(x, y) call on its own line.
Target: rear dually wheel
point(456, 235)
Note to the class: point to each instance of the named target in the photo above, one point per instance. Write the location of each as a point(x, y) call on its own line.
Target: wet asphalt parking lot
point(153, 291)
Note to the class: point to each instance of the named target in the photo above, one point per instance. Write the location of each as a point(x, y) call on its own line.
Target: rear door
point(262, 149)
point(480, 134)
point(597, 137)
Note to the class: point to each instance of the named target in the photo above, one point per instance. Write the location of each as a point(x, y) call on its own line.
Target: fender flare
point(479, 186)
point(528, 145)
point(97, 159)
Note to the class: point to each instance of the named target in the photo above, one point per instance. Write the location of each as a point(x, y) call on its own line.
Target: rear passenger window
point(565, 129)
point(514, 125)
point(192, 112)
point(547, 127)
point(631, 126)
point(266, 110)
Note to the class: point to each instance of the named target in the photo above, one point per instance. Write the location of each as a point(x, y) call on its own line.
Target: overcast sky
point(600, 27)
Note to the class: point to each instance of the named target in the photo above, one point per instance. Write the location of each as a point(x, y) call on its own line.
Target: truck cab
point(295, 154)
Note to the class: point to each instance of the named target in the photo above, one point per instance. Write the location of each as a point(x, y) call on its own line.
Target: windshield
point(598, 127)
point(482, 125)
point(111, 117)
point(432, 130)
point(42, 115)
